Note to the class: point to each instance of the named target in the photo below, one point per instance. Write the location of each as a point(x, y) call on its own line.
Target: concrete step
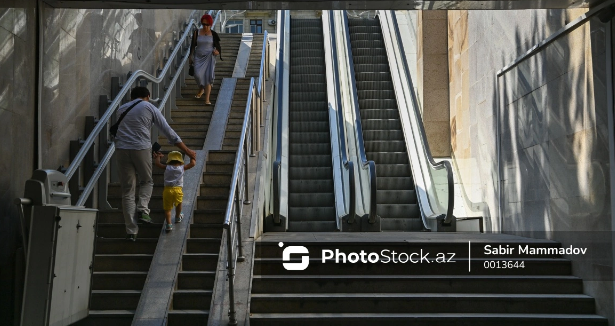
point(416, 284)
point(192, 299)
point(199, 262)
point(118, 230)
point(125, 247)
point(209, 216)
point(122, 263)
point(448, 319)
point(206, 231)
point(118, 280)
point(107, 317)
point(196, 279)
point(214, 190)
point(187, 317)
point(203, 245)
point(155, 200)
point(212, 202)
point(313, 214)
point(114, 299)
point(117, 216)
point(219, 166)
point(222, 178)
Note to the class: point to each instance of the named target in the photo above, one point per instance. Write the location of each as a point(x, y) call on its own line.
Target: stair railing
point(370, 166)
point(239, 191)
point(103, 122)
point(348, 165)
point(284, 28)
point(436, 203)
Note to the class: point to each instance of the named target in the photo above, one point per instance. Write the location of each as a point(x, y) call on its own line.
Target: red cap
point(208, 19)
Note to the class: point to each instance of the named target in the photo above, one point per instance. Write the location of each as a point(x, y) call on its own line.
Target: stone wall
point(551, 114)
point(83, 50)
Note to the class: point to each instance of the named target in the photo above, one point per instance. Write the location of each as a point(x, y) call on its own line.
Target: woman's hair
point(208, 19)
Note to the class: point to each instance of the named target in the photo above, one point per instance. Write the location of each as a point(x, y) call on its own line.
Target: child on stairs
point(172, 194)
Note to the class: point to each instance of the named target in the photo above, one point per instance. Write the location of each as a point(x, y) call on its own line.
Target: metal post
point(246, 164)
point(253, 122)
point(103, 146)
point(231, 276)
point(238, 211)
point(73, 183)
point(88, 163)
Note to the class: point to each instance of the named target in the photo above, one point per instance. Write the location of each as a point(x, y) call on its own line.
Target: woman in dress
point(205, 45)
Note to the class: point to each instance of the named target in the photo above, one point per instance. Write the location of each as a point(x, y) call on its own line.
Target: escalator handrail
point(277, 164)
point(365, 164)
point(102, 123)
point(341, 121)
point(435, 165)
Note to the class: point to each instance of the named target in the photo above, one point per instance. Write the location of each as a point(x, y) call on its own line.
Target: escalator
point(311, 199)
point(382, 128)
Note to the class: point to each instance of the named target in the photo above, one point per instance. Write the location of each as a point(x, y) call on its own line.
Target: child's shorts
point(171, 196)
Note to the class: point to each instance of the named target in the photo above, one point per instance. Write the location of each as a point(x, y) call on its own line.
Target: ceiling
point(317, 4)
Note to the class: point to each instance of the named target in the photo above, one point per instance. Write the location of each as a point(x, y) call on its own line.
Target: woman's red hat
point(208, 19)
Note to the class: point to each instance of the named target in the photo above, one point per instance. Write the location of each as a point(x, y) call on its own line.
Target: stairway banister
point(352, 211)
point(122, 93)
point(364, 164)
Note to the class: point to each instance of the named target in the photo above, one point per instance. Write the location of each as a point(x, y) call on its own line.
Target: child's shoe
point(169, 227)
point(180, 218)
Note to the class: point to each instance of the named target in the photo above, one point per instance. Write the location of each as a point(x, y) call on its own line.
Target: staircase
point(311, 199)
point(196, 278)
point(121, 266)
point(425, 294)
point(382, 133)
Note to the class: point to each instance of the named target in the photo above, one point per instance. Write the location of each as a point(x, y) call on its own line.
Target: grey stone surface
point(243, 55)
point(157, 292)
point(215, 132)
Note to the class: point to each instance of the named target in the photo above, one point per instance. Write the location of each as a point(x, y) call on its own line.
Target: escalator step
point(395, 183)
point(364, 22)
point(364, 29)
point(398, 210)
point(308, 87)
point(371, 52)
point(315, 199)
point(306, 78)
point(371, 67)
point(365, 36)
point(378, 114)
point(362, 60)
point(376, 94)
point(372, 76)
point(308, 106)
point(307, 96)
point(304, 45)
point(381, 104)
point(369, 135)
point(313, 186)
point(393, 170)
point(308, 137)
point(310, 173)
point(403, 224)
point(381, 124)
point(378, 44)
point(306, 37)
point(310, 149)
point(385, 146)
point(309, 160)
point(312, 126)
point(304, 60)
point(387, 158)
point(307, 29)
point(307, 69)
point(309, 116)
point(311, 213)
point(396, 197)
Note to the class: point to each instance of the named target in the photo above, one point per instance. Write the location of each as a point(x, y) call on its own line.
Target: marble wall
point(551, 114)
point(17, 116)
point(83, 49)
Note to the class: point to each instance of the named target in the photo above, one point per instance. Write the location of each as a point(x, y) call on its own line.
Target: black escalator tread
point(382, 131)
point(311, 199)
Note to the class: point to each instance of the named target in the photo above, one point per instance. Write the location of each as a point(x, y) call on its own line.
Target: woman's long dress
point(204, 61)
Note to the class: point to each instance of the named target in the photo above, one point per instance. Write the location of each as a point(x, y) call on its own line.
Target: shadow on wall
point(554, 151)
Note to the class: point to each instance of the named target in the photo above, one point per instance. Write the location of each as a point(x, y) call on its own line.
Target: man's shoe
point(180, 219)
point(144, 218)
point(169, 227)
point(131, 237)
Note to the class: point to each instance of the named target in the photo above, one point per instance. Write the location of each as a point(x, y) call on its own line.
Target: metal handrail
point(435, 165)
point(349, 165)
point(365, 164)
point(261, 71)
point(277, 164)
point(102, 123)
